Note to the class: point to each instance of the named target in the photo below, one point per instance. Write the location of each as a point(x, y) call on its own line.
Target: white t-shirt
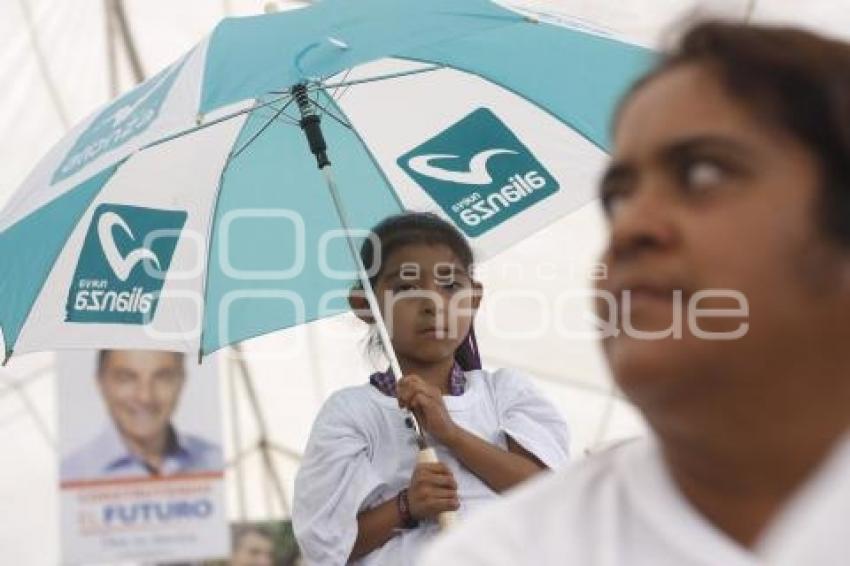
point(361, 453)
point(621, 507)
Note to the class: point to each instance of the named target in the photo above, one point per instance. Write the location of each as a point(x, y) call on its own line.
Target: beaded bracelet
point(403, 504)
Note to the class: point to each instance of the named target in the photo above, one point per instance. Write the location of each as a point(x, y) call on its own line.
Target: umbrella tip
point(6, 358)
point(200, 356)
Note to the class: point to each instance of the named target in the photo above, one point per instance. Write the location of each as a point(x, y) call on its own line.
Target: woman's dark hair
point(408, 228)
point(788, 78)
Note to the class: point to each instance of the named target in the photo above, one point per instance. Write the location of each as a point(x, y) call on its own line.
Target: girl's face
point(428, 300)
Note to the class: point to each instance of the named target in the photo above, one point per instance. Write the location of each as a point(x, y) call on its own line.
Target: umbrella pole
point(310, 123)
point(371, 299)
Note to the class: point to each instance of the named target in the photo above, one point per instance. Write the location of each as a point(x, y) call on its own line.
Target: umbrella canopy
point(188, 214)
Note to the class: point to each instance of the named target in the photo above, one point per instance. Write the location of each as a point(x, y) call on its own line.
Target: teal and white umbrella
point(189, 214)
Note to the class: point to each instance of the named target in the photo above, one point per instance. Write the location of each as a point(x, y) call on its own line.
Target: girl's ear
point(360, 306)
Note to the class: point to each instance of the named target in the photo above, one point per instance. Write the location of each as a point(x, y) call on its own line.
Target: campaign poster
point(142, 468)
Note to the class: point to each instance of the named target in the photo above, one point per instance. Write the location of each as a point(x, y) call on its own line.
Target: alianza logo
point(479, 172)
point(123, 264)
point(122, 120)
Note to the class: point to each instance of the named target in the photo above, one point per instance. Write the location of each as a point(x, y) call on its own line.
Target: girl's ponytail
point(467, 355)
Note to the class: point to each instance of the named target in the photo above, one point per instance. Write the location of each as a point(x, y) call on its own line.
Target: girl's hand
point(432, 491)
point(426, 402)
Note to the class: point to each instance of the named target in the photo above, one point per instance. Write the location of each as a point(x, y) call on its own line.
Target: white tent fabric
point(54, 65)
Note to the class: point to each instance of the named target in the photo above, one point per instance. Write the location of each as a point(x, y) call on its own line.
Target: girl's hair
point(792, 79)
point(399, 230)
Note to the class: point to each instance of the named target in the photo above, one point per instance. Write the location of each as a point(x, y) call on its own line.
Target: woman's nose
point(641, 223)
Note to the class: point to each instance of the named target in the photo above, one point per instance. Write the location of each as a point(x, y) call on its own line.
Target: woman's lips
point(635, 292)
point(643, 293)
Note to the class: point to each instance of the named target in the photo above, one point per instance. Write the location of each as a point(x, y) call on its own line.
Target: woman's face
point(426, 298)
point(703, 198)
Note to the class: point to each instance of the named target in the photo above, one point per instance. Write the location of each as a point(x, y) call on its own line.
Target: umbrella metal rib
point(259, 132)
point(204, 125)
point(327, 112)
point(339, 92)
point(322, 85)
point(311, 87)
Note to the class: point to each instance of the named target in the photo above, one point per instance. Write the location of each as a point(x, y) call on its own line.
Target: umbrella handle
point(446, 519)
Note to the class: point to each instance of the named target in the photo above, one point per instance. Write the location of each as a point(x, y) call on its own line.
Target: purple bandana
point(385, 382)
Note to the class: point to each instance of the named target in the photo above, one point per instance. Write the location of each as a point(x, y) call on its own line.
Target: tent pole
point(263, 441)
point(751, 8)
point(43, 68)
point(127, 38)
point(236, 431)
point(111, 61)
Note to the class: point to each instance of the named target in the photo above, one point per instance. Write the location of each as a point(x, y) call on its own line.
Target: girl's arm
point(500, 469)
point(375, 527)
point(432, 491)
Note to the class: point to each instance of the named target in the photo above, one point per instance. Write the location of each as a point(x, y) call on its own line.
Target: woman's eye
point(702, 174)
point(611, 202)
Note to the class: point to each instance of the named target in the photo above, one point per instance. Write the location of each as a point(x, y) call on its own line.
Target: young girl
point(360, 496)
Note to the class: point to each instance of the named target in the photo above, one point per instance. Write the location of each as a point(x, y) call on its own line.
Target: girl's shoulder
point(504, 386)
point(348, 402)
point(350, 413)
point(350, 393)
point(501, 379)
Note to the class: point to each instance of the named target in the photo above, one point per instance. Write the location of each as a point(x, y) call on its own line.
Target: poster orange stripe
point(145, 479)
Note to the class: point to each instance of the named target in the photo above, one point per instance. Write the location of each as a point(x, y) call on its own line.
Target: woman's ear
point(477, 294)
point(360, 306)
